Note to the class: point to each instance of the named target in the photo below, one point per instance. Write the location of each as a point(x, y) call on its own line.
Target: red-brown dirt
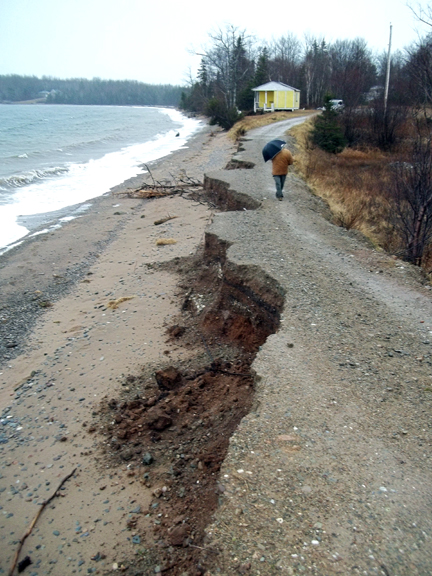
point(173, 423)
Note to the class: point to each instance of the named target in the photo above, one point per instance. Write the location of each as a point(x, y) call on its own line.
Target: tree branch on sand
point(157, 189)
point(27, 561)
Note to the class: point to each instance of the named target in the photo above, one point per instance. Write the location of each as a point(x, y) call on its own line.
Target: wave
point(46, 152)
point(26, 178)
point(77, 176)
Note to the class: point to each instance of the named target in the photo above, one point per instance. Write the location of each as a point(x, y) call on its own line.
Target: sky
point(157, 41)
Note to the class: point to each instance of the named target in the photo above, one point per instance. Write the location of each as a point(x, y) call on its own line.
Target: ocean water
point(55, 159)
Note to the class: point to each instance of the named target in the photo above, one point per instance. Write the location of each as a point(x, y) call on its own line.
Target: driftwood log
point(156, 189)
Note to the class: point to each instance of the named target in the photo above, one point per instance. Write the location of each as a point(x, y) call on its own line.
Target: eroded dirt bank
point(173, 424)
point(110, 301)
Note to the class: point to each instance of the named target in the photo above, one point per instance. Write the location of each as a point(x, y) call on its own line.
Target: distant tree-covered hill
point(15, 88)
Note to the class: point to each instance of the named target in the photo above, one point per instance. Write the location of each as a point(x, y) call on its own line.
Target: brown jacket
point(281, 161)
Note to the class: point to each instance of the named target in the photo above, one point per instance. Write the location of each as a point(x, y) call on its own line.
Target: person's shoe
point(280, 198)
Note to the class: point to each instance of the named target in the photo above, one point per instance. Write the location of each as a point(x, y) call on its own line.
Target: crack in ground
point(172, 424)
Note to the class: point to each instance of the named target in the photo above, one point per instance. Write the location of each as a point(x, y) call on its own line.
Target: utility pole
point(387, 73)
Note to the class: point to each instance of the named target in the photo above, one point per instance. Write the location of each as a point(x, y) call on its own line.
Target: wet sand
point(62, 357)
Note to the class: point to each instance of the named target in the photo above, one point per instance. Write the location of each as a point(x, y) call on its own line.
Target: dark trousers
point(279, 181)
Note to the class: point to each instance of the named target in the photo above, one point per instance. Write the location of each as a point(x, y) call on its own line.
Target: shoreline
point(189, 458)
point(60, 359)
point(56, 279)
point(31, 187)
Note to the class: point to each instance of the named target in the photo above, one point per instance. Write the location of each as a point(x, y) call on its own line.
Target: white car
point(337, 104)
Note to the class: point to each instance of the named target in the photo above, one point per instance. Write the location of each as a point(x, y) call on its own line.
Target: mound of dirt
point(173, 423)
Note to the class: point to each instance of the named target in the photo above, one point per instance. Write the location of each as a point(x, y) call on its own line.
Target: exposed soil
point(173, 424)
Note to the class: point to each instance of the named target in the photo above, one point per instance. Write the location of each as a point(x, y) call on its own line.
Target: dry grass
point(165, 241)
point(251, 122)
point(114, 304)
point(352, 183)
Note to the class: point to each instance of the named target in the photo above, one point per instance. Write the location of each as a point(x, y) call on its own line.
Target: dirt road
point(328, 473)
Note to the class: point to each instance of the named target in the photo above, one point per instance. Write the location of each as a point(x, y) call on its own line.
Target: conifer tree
point(262, 70)
point(326, 133)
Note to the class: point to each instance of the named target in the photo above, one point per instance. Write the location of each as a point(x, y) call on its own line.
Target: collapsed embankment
point(181, 408)
point(328, 473)
point(173, 425)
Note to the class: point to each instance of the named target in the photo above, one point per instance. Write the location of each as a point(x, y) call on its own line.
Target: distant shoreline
point(43, 101)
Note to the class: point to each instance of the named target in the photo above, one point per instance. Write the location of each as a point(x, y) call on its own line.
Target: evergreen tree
point(203, 76)
point(326, 133)
point(262, 70)
point(221, 114)
point(245, 99)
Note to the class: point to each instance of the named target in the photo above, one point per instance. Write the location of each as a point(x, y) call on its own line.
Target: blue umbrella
point(272, 148)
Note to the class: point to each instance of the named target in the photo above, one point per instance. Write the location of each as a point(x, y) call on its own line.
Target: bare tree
point(401, 92)
point(315, 70)
point(420, 68)
point(285, 54)
point(422, 13)
point(228, 61)
point(411, 196)
point(353, 71)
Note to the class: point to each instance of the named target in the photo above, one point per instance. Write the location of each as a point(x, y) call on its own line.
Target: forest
point(234, 62)
point(15, 88)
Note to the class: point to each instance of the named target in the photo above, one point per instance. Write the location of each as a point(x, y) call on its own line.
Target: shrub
point(221, 115)
point(411, 197)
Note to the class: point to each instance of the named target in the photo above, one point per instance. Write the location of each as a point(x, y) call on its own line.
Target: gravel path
point(330, 473)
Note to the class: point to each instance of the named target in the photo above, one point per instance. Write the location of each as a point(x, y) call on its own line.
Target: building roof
point(272, 86)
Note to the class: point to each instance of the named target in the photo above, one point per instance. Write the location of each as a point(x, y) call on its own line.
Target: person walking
point(280, 162)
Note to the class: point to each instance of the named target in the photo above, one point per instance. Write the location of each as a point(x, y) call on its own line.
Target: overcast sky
point(151, 41)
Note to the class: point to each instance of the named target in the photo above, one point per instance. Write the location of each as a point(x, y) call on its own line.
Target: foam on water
point(74, 183)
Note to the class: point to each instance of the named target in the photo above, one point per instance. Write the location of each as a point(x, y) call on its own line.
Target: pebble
point(147, 459)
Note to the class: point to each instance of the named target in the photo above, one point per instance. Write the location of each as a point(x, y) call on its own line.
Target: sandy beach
point(64, 349)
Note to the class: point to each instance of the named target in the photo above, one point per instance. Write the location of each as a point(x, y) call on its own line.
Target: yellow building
point(276, 96)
